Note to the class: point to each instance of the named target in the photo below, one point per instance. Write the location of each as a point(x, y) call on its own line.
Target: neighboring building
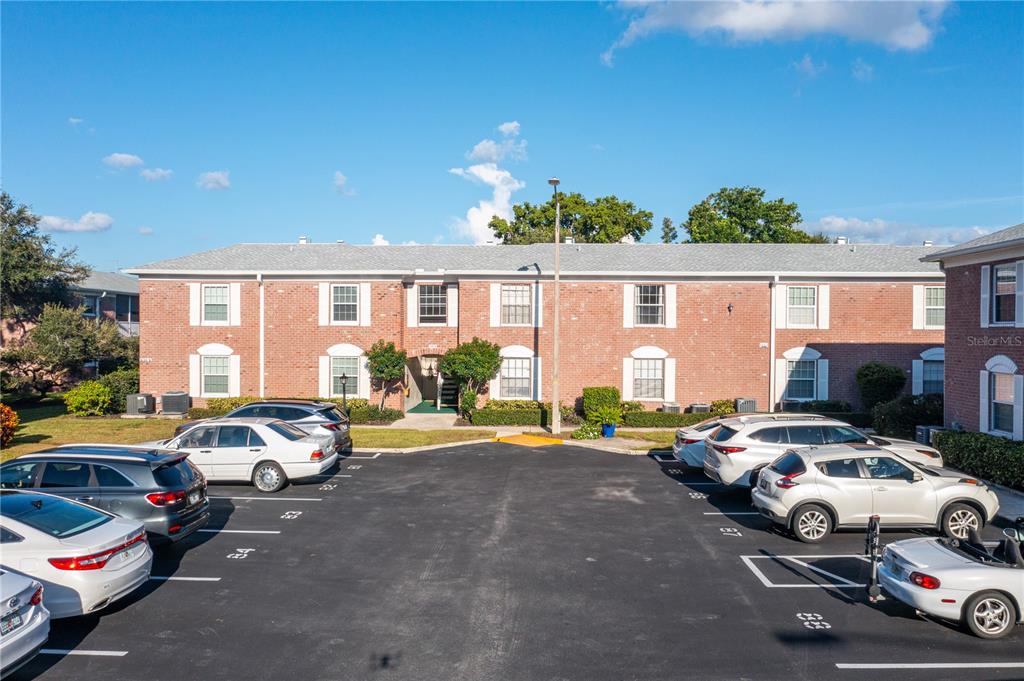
point(985, 345)
point(113, 296)
point(675, 323)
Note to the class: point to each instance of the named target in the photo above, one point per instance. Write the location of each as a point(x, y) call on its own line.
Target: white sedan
point(24, 620)
point(85, 558)
point(688, 447)
point(266, 452)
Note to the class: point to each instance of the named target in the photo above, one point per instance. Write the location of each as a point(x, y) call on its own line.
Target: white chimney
point(303, 239)
point(842, 240)
point(927, 242)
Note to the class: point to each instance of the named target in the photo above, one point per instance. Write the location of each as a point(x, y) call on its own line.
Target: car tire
point(268, 477)
point(957, 518)
point(811, 524)
point(989, 615)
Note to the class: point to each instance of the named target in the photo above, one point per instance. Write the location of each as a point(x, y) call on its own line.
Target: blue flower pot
point(607, 430)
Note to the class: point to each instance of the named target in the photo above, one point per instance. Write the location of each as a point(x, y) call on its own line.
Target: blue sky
point(886, 122)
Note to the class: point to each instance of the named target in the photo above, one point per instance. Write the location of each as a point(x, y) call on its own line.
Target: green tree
point(668, 231)
point(387, 366)
point(606, 219)
point(33, 271)
point(473, 364)
point(741, 215)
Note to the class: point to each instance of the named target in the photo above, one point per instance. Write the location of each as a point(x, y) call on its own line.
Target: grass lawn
point(406, 437)
point(662, 439)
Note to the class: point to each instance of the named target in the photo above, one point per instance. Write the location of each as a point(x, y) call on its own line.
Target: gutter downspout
point(259, 282)
point(772, 287)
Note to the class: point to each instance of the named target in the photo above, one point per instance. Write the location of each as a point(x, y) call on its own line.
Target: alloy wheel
point(267, 478)
point(991, 616)
point(961, 521)
point(813, 524)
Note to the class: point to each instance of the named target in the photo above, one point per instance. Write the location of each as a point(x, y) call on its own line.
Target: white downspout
point(259, 282)
point(772, 286)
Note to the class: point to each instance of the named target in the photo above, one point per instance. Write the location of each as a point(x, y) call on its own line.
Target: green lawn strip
point(661, 438)
point(40, 433)
point(401, 438)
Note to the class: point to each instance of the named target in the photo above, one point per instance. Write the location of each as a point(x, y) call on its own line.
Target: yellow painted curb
point(529, 440)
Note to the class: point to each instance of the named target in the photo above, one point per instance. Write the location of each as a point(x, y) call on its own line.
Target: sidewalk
point(1011, 502)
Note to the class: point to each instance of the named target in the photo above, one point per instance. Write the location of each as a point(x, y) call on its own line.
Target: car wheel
point(811, 524)
point(958, 519)
point(268, 477)
point(989, 615)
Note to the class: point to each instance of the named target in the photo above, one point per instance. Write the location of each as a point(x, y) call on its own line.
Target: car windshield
point(722, 434)
point(789, 463)
point(177, 473)
point(51, 515)
point(705, 425)
point(286, 430)
point(332, 414)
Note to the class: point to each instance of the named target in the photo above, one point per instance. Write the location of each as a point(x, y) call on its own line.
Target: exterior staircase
point(450, 394)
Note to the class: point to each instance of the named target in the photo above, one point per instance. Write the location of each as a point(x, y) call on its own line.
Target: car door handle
point(205, 451)
point(85, 499)
point(881, 489)
point(256, 449)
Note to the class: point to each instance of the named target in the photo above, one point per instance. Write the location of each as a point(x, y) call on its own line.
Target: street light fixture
point(344, 393)
point(556, 410)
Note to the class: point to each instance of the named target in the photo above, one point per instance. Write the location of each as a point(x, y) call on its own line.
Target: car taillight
point(929, 453)
point(725, 449)
point(786, 481)
point(316, 456)
point(95, 561)
point(689, 440)
point(330, 426)
point(37, 597)
point(925, 581)
point(165, 498)
point(174, 529)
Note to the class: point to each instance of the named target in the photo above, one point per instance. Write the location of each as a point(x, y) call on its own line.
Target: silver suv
point(742, 446)
point(814, 490)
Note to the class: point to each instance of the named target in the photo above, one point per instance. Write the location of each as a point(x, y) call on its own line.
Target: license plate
point(193, 498)
point(763, 484)
point(10, 623)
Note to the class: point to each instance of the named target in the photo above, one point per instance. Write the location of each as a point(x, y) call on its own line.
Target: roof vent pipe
point(927, 242)
point(303, 239)
point(842, 240)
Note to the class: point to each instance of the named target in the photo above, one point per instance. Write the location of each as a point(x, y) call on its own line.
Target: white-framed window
point(801, 378)
point(932, 376)
point(934, 307)
point(215, 302)
point(433, 304)
point(344, 376)
point(1004, 294)
point(216, 371)
point(648, 379)
point(516, 378)
point(344, 303)
point(649, 305)
point(90, 306)
point(1001, 402)
point(802, 308)
point(516, 305)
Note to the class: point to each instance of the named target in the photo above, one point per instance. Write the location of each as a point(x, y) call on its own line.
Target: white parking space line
point(702, 484)
point(843, 580)
point(731, 513)
point(268, 498)
point(931, 665)
point(207, 531)
point(95, 653)
point(184, 579)
point(363, 457)
point(846, 583)
point(331, 475)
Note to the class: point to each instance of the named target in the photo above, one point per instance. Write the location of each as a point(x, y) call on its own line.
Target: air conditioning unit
point(670, 407)
point(700, 408)
point(140, 403)
point(790, 405)
point(925, 434)
point(175, 402)
point(746, 405)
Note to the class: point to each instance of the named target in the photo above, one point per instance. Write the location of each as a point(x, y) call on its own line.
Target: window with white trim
point(801, 378)
point(932, 376)
point(802, 306)
point(649, 305)
point(935, 306)
point(1001, 402)
point(215, 371)
point(344, 376)
point(516, 307)
point(516, 378)
point(215, 302)
point(344, 303)
point(433, 304)
point(90, 306)
point(648, 379)
point(1004, 294)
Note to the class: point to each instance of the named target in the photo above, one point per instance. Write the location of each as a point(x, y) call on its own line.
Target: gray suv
point(309, 416)
point(157, 487)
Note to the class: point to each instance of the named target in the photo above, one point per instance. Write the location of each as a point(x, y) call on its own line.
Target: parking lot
point(497, 561)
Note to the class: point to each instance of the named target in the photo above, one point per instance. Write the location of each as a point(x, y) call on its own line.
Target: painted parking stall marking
point(930, 665)
point(730, 532)
point(224, 531)
point(250, 498)
point(172, 578)
point(802, 572)
point(291, 515)
point(240, 554)
point(93, 653)
point(812, 620)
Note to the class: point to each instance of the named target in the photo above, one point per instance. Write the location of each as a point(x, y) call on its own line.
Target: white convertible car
point(979, 585)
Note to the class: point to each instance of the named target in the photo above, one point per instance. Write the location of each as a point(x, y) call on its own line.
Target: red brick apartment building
point(984, 388)
point(676, 323)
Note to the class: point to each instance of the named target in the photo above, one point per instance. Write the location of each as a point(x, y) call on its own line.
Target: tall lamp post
point(556, 409)
point(344, 393)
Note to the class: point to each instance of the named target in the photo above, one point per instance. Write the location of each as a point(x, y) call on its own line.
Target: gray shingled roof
point(575, 259)
point(1004, 237)
point(109, 281)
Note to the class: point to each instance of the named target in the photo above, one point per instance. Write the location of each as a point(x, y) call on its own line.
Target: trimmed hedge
point(519, 413)
point(360, 411)
point(902, 416)
point(816, 406)
point(595, 398)
point(986, 456)
point(661, 419)
point(860, 419)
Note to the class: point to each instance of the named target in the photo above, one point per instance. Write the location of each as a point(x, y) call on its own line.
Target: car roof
point(153, 456)
point(737, 422)
point(291, 403)
point(840, 451)
point(235, 420)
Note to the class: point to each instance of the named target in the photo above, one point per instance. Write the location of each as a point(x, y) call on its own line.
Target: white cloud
point(145, 231)
point(379, 240)
point(214, 179)
point(862, 71)
point(509, 129)
point(895, 25)
point(877, 230)
point(341, 184)
point(75, 122)
point(502, 184)
point(89, 222)
point(808, 68)
point(119, 160)
point(491, 151)
point(155, 174)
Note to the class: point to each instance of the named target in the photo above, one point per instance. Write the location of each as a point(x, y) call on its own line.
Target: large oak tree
point(606, 219)
point(741, 215)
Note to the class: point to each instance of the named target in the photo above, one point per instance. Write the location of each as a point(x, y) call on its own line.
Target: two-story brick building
point(677, 323)
point(984, 338)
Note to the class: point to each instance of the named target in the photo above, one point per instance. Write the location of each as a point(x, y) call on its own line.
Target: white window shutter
point(986, 286)
point(538, 305)
point(917, 376)
point(822, 392)
point(536, 380)
point(670, 379)
point(670, 307)
point(195, 377)
point(627, 306)
point(363, 388)
point(324, 303)
point(983, 401)
point(781, 306)
point(1018, 298)
point(195, 292)
point(234, 376)
point(918, 308)
point(453, 305)
point(365, 313)
point(823, 306)
point(411, 303)
point(781, 379)
point(495, 304)
point(235, 304)
point(324, 375)
point(627, 376)
point(1018, 407)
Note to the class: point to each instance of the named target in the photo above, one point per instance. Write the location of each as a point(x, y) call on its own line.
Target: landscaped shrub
point(467, 400)
point(196, 413)
point(363, 412)
point(512, 405)
point(595, 398)
point(9, 421)
point(879, 382)
point(222, 405)
point(723, 407)
point(996, 459)
point(660, 419)
point(122, 383)
point(506, 417)
point(631, 407)
point(587, 431)
point(816, 406)
point(902, 416)
point(359, 409)
point(90, 398)
point(860, 419)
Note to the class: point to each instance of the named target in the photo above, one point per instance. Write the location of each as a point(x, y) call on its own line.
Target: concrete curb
point(412, 450)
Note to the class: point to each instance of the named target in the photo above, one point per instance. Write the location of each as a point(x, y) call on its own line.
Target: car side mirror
point(1013, 534)
point(916, 477)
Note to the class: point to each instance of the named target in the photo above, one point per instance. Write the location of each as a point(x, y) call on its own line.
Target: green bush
point(467, 400)
point(660, 419)
point(587, 431)
point(202, 413)
point(512, 405)
point(90, 398)
point(606, 415)
point(359, 409)
point(122, 383)
point(902, 416)
point(993, 458)
point(222, 405)
point(507, 417)
point(722, 407)
point(860, 419)
point(816, 406)
point(595, 398)
point(879, 382)
point(367, 413)
point(631, 407)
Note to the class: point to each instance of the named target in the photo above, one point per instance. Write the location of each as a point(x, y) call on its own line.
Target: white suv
point(742, 446)
point(812, 491)
point(688, 448)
